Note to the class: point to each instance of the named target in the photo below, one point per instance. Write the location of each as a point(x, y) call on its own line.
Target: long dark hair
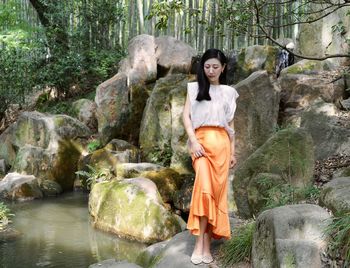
point(203, 82)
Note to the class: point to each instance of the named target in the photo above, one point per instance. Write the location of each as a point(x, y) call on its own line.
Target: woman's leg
point(198, 248)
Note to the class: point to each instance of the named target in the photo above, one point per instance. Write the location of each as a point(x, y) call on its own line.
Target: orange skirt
point(209, 196)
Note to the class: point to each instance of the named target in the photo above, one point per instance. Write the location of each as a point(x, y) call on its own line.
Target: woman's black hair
point(203, 82)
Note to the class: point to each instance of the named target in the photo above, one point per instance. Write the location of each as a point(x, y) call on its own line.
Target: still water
point(56, 232)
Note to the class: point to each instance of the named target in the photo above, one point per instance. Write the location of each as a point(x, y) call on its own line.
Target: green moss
point(306, 67)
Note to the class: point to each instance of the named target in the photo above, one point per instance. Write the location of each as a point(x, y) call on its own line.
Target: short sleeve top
point(219, 111)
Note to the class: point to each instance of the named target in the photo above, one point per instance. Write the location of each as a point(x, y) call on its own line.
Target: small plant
point(93, 176)
point(162, 156)
point(338, 232)
point(239, 247)
point(5, 216)
point(94, 145)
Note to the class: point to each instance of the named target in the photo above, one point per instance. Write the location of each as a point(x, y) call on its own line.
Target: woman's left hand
point(233, 161)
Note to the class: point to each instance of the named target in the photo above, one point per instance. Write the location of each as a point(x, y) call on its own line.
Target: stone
point(130, 170)
point(112, 263)
point(288, 153)
point(141, 64)
point(290, 236)
point(319, 38)
point(15, 186)
point(117, 205)
point(3, 167)
point(162, 135)
point(255, 58)
point(345, 104)
point(150, 255)
point(307, 67)
point(46, 146)
point(119, 109)
point(50, 188)
point(257, 113)
point(182, 198)
point(335, 195)
point(329, 130)
point(85, 111)
point(173, 56)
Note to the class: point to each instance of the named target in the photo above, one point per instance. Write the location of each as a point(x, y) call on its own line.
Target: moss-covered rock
point(255, 58)
point(335, 195)
point(162, 135)
point(85, 111)
point(288, 153)
point(50, 188)
point(132, 208)
point(131, 170)
point(46, 146)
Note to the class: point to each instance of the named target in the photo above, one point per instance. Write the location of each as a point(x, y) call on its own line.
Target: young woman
point(208, 119)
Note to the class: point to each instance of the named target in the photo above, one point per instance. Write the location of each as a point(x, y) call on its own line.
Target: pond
point(56, 232)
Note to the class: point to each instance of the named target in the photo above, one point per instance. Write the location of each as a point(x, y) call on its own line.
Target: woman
point(208, 120)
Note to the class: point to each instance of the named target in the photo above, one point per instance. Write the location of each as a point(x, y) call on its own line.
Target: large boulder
point(173, 56)
point(288, 153)
point(119, 108)
point(321, 38)
point(329, 128)
point(117, 205)
point(131, 170)
point(335, 195)
point(162, 135)
point(141, 65)
point(255, 58)
point(43, 145)
point(85, 111)
point(290, 236)
point(257, 112)
point(15, 186)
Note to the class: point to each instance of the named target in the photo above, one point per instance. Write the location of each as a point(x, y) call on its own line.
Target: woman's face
point(213, 69)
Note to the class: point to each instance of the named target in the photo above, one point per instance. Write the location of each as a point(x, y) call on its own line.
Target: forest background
point(72, 46)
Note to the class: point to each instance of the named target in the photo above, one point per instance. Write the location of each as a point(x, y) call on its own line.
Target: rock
point(258, 187)
point(319, 38)
point(85, 111)
point(46, 146)
point(141, 63)
point(149, 256)
point(345, 104)
point(119, 109)
point(257, 113)
point(290, 236)
point(329, 131)
point(335, 195)
point(308, 67)
point(117, 205)
point(173, 56)
point(177, 252)
point(288, 153)
point(20, 187)
point(162, 135)
point(182, 198)
point(130, 170)
point(112, 263)
point(3, 168)
point(50, 188)
point(9, 234)
point(124, 151)
point(255, 58)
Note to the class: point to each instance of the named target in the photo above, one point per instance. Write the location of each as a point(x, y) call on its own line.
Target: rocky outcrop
point(335, 195)
point(162, 135)
point(257, 113)
point(20, 187)
point(117, 205)
point(288, 153)
point(290, 236)
point(46, 146)
point(330, 130)
point(255, 58)
point(85, 111)
point(112, 263)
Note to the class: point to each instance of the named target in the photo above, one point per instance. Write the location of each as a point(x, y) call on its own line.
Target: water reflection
point(56, 233)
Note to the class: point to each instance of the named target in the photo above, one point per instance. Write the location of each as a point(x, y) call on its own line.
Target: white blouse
point(219, 111)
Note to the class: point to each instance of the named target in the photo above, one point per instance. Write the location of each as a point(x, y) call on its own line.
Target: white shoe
point(196, 259)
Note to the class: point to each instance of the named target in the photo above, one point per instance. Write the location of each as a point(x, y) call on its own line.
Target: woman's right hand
point(197, 149)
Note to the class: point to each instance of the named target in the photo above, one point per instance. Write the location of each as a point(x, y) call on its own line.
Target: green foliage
point(281, 194)
point(5, 215)
point(94, 145)
point(93, 176)
point(338, 232)
point(239, 247)
point(162, 156)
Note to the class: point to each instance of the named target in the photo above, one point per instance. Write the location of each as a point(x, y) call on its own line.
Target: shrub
point(5, 216)
point(93, 175)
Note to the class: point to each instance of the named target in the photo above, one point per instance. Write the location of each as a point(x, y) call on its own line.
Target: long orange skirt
point(209, 196)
